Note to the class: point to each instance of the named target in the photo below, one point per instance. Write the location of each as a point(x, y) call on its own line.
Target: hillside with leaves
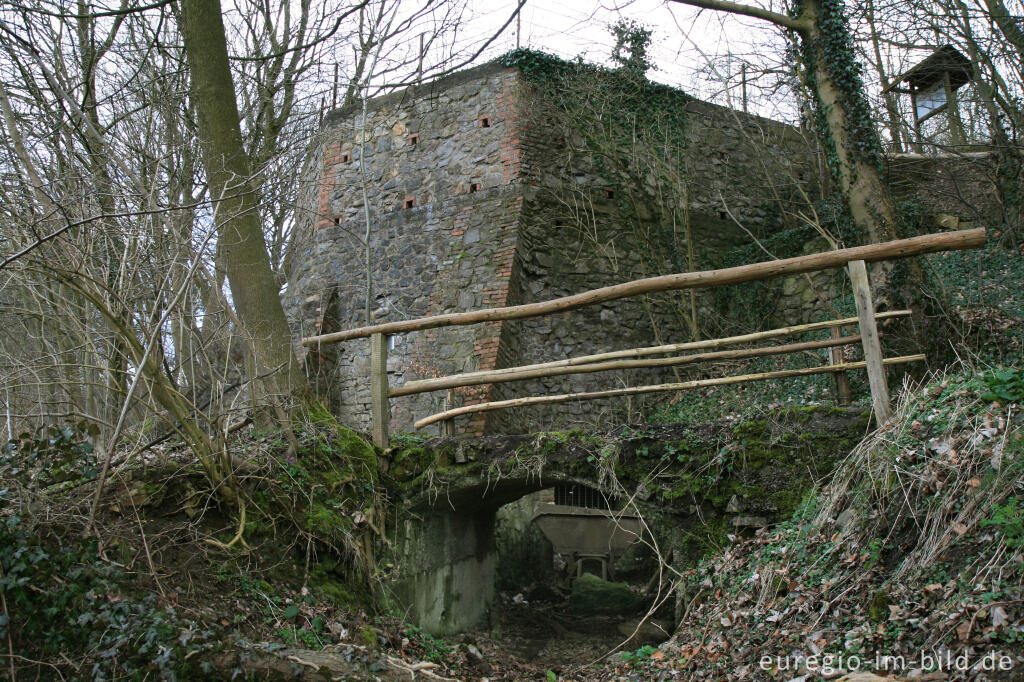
point(910, 555)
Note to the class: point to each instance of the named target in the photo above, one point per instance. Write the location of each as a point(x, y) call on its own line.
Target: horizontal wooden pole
point(657, 388)
point(900, 248)
point(490, 376)
point(740, 354)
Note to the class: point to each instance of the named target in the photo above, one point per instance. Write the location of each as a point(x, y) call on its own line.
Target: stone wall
point(444, 580)
point(960, 187)
point(444, 212)
point(578, 233)
point(480, 197)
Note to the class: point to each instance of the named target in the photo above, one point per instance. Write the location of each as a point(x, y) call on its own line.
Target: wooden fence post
point(838, 357)
point(380, 407)
point(869, 338)
point(448, 425)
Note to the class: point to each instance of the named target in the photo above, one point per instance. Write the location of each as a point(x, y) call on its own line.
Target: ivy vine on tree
point(834, 48)
point(842, 114)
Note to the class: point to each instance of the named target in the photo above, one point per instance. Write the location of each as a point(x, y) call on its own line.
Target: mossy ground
point(296, 581)
point(161, 589)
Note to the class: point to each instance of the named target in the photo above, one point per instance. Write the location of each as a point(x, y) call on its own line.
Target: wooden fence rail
point(900, 248)
point(602, 362)
point(855, 258)
point(656, 388)
point(651, 350)
point(741, 354)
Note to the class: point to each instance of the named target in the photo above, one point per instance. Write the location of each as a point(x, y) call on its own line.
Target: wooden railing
point(854, 258)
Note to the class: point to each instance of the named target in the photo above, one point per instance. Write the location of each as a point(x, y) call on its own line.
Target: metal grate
point(575, 495)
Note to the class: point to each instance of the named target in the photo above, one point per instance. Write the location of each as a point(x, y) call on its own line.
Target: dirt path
point(531, 639)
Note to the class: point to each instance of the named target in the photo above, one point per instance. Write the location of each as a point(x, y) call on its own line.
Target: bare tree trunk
point(104, 195)
point(1007, 24)
point(254, 288)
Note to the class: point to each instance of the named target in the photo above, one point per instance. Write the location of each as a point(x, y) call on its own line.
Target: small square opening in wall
point(609, 192)
point(484, 121)
point(345, 158)
point(337, 220)
point(410, 202)
point(474, 187)
point(414, 139)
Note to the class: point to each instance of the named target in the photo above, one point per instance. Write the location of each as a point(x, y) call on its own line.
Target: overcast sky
point(689, 48)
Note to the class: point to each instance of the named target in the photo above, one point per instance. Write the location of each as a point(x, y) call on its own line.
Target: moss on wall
point(695, 485)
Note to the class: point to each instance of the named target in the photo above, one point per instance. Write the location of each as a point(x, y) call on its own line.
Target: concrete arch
point(727, 475)
point(446, 542)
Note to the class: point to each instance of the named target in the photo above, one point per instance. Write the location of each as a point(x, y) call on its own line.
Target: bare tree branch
point(800, 25)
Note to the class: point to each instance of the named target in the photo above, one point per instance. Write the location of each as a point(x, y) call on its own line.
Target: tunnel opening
point(545, 574)
point(557, 534)
point(572, 577)
point(524, 555)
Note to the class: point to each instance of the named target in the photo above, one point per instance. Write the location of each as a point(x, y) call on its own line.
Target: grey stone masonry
point(478, 198)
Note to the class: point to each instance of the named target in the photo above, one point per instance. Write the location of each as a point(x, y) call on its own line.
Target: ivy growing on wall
point(641, 104)
point(616, 112)
point(633, 131)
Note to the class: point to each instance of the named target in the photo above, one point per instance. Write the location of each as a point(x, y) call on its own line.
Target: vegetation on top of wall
point(617, 111)
point(767, 463)
point(642, 104)
point(632, 451)
point(632, 42)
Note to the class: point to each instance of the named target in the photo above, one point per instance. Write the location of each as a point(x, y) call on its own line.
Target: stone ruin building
point(482, 195)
